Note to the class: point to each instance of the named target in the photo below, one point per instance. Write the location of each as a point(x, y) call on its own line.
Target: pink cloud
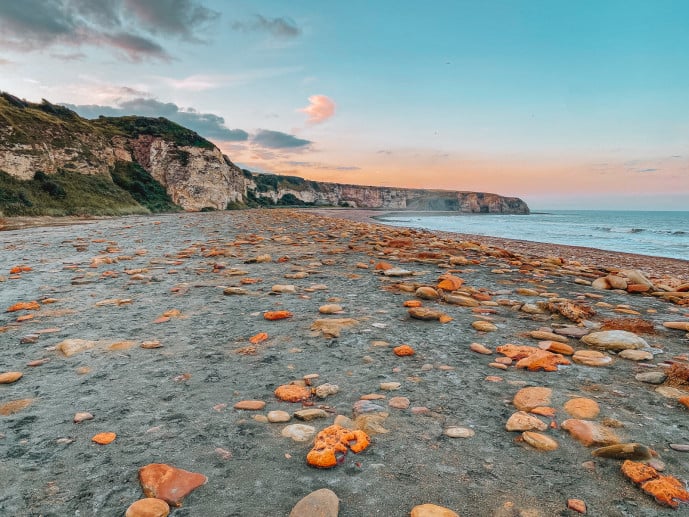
point(320, 109)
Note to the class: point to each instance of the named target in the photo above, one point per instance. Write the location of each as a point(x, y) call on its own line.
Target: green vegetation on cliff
point(65, 193)
point(134, 126)
point(142, 187)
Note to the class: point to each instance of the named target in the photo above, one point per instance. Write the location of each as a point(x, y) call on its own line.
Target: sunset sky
point(565, 104)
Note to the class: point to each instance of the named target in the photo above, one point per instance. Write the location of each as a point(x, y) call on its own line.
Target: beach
point(174, 332)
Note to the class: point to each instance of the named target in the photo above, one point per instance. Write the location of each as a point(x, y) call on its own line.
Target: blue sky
point(565, 104)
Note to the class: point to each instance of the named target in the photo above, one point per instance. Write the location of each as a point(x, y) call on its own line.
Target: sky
point(569, 105)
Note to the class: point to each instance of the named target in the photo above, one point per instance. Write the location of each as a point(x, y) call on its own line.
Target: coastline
point(654, 266)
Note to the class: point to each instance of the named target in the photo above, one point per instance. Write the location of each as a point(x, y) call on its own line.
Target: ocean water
point(660, 234)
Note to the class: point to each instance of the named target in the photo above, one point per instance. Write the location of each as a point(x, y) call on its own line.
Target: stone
point(399, 402)
point(625, 451)
point(539, 441)
point(657, 377)
point(459, 432)
point(310, 414)
point(424, 314)
point(583, 408)
point(403, 350)
point(480, 349)
point(344, 421)
point(325, 390)
point(278, 416)
point(636, 355)
point(229, 291)
point(634, 276)
point(681, 447)
point(671, 392)
point(284, 289)
point(10, 377)
point(292, 393)
point(321, 503)
point(589, 433)
point(576, 505)
point(600, 283)
point(427, 293)
point(591, 358)
point(484, 326)
point(522, 421)
point(299, 432)
point(148, 507)
point(548, 336)
point(169, 483)
point(397, 272)
point(462, 301)
point(104, 438)
point(331, 328)
point(151, 344)
point(70, 347)
point(331, 308)
point(614, 340)
point(556, 347)
point(528, 398)
point(80, 417)
point(390, 386)
point(677, 325)
point(432, 510)
point(616, 282)
point(14, 406)
point(250, 405)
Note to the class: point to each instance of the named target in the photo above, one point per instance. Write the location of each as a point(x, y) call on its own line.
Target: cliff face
point(270, 189)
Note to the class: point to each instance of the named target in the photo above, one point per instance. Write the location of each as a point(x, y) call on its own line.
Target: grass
point(134, 126)
point(145, 190)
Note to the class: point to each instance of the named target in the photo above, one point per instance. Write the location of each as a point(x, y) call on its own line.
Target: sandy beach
point(157, 329)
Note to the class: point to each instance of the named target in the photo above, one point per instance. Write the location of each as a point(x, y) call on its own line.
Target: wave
point(622, 229)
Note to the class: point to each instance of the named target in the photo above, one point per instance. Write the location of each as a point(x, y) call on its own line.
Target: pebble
point(577, 505)
point(528, 398)
point(104, 438)
point(151, 344)
point(399, 402)
point(403, 350)
point(148, 507)
point(427, 293)
point(624, 451)
point(539, 441)
point(229, 291)
point(321, 503)
point(70, 347)
point(522, 421)
point(80, 417)
point(284, 289)
point(547, 336)
point(432, 510)
point(583, 408)
point(299, 432)
point(614, 340)
point(636, 355)
point(459, 432)
point(10, 377)
point(250, 405)
point(651, 377)
point(396, 272)
point(169, 483)
point(480, 349)
point(682, 447)
point(589, 433)
point(484, 326)
point(14, 406)
point(499, 366)
point(591, 358)
point(278, 416)
point(326, 390)
point(390, 386)
point(310, 414)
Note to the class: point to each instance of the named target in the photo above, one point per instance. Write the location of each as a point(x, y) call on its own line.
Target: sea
point(660, 234)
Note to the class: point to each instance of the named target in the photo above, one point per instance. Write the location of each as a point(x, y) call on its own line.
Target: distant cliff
point(270, 189)
point(54, 162)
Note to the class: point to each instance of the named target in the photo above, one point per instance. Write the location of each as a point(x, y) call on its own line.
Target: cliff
point(54, 162)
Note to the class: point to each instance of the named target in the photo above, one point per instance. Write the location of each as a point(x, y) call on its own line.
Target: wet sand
point(117, 283)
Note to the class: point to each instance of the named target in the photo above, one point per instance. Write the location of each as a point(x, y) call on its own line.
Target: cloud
point(279, 27)
point(278, 140)
point(128, 27)
point(647, 170)
point(320, 109)
point(322, 166)
point(206, 124)
point(202, 82)
point(5, 61)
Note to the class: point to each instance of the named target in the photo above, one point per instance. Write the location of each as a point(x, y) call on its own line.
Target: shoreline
point(656, 266)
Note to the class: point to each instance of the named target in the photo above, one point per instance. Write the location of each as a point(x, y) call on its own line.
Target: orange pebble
point(277, 315)
point(412, 303)
point(258, 338)
point(403, 350)
point(104, 438)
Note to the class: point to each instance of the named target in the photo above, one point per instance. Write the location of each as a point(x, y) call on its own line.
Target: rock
point(636, 355)
point(148, 507)
point(229, 291)
point(591, 358)
point(332, 327)
point(70, 347)
point(277, 417)
point(403, 350)
point(104, 438)
point(14, 406)
point(531, 308)
point(480, 349)
point(10, 377)
point(677, 325)
point(310, 414)
point(463, 301)
point(484, 326)
point(427, 293)
point(284, 288)
point(682, 447)
point(459, 432)
point(539, 441)
point(614, 340)
point(616, 282)
point(345, 422)
point(169, 483)
point(671, 392)
point(331, 308)
point(154, 343)
point(624, 451)
point(570, 331)
point(399, 402)
point(651, 377)
point(556, 347)
point(396, 272)
point(325, 390)
point(425, 314)
point(80, 417)
point(292, 393)
point(577, 505)
point(390, 386)
point(582, 408)
point(366, 406)
point(634, 276)
point(528, 398)
point(372, 423)
point(250, 405)
point(522, 421)
point(600, 283)
point(547, 336)
point(589, 433)
point(432, 510)
point(299, 432)
point(321, 503)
